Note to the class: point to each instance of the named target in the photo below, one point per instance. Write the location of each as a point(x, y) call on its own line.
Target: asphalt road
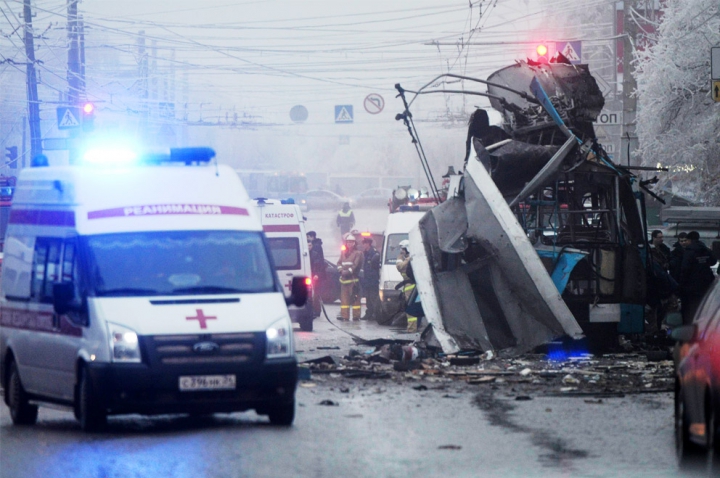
point(417, 426)
point(377, 428)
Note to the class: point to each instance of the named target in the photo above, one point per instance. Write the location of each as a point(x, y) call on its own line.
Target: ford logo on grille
point(206, 347)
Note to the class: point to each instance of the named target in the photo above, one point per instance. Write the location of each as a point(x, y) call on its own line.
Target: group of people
point(359, 277)
point(359, 269)
point(682, 272)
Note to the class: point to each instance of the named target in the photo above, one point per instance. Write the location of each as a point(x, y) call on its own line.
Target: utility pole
point(143, 82)
point(73, 73)
point(23, 147)
point(74, 79)
point(628, 138)
point(32, 93)
point(81, 32)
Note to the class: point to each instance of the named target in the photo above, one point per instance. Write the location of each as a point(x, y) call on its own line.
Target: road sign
point(715, 90)
point(55, 144)
point(343, 113)
point(68, 117)
point(166, 110)
point(374, 103)
point(572, 50)
point(715, 63)
point(609, 117)
point(298, 113)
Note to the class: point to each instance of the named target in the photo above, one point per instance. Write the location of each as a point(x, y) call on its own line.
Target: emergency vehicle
point(397, 229)
point(284, 225)
point(143, 287)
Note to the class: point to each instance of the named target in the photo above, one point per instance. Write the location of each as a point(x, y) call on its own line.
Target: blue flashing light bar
point(121, 156)
point(181, 155)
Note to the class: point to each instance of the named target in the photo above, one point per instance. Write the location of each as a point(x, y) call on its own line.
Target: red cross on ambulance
point(201, 318)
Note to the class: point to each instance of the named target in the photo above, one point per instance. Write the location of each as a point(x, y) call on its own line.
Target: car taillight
point(308, 281)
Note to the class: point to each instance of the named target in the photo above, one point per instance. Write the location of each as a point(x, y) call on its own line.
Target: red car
point(697, 386)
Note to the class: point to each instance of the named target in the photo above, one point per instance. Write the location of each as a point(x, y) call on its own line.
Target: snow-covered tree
point(678, 124)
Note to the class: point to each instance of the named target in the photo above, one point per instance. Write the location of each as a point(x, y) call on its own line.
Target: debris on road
point(329, 403)
point(449, 447)
point(523, 376)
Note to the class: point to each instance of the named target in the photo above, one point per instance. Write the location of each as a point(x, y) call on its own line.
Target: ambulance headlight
point(124, 344)
point(279, 340)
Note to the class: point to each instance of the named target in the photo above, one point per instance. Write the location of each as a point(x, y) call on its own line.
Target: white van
point(284, 226)
point(397, 229)
point(148, 289)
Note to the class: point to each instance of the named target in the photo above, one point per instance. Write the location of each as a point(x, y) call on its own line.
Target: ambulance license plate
point(190, 383)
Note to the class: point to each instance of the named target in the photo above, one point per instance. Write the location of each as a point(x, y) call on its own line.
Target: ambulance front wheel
point(90, 413)
point(21, 412)
point(282, 415)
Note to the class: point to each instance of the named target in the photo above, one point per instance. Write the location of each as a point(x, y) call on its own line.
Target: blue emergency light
point(111, 156)
point(181, 155)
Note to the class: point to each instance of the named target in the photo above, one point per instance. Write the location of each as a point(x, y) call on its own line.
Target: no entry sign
point(374, 103)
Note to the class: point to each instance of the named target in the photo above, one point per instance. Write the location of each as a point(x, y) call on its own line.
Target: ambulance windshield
point(178, 263)
point(393, 247)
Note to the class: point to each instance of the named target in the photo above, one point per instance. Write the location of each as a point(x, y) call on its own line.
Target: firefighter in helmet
point(405, 268)
point(349, 265)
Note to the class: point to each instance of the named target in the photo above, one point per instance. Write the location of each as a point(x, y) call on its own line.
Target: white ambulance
point(143, 288)
point(284, 225)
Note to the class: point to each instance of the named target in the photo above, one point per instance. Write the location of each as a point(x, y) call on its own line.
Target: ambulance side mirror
point(63, 295)
point(298, 292)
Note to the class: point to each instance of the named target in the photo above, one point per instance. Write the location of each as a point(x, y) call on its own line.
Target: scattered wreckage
point(583, 375)
point(542, 235)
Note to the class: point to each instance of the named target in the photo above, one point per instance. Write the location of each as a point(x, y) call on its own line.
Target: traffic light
point(88, 117)
point(11, 155)
point(542, 53)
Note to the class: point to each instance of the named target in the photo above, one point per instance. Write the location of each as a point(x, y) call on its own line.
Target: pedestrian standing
point(349, 266)
point(659, 250)
point(660, 285)
point(370, 281)
point(317, 265)
point(345, 219)
point(695, 275)
point(676, 255)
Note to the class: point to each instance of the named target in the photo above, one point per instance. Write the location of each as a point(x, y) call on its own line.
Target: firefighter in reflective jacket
point(404, 267)
point(345, 219)
point(349, 266)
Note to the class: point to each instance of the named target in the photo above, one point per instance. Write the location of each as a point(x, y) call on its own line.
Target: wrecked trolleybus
point(540, 202)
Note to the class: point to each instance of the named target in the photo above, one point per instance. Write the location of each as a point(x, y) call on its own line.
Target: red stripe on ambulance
point(38, 321)
point(42, 217)
point(282, 228)
point(168, 209)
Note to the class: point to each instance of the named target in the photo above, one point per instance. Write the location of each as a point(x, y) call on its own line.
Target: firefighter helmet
point(404, 244)
point(350, 237)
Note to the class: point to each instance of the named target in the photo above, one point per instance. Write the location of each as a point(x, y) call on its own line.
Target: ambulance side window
point(40, 257)
point(46, 268)
point(68, 265)
point(285, 252)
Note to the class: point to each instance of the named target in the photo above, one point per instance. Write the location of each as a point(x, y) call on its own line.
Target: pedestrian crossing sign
point(343, 113)
point(572, 50)
point(68, 117)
